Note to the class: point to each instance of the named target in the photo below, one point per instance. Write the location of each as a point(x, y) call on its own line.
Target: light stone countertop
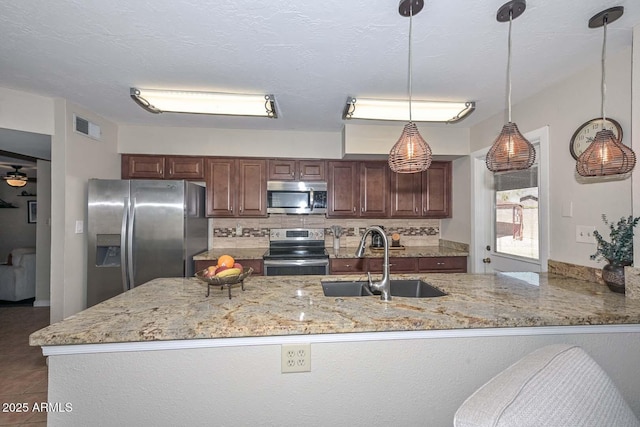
point(344, 252)
point(177, 309)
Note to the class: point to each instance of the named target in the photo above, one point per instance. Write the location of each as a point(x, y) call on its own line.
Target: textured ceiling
point(310, 54)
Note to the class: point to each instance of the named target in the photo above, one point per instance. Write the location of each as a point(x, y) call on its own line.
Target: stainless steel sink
point(408, 288)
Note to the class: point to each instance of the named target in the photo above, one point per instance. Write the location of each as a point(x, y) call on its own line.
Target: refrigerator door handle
point(123, 245)
point(132, 219)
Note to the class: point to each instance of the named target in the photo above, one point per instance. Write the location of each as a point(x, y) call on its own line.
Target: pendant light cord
point(410, 64)
point(603, 84)
point(509, 66)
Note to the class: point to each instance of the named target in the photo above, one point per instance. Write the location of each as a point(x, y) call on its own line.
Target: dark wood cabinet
point(343, 189)
point(235, 187)
point(347, 265)
point(252, 180)
point(422, 195)
point(296, 170)
point(448, 264)
point(184, 167)
point(374, 189)
point(436, 185)
point(141, 166)
point(398, 265)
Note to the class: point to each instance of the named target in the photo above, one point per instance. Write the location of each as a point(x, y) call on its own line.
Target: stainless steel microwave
point(295, 197)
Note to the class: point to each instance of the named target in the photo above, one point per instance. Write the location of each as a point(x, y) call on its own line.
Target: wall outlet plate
point(296, 358)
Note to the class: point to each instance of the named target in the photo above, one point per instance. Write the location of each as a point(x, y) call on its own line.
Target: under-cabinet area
point(399, 265)
point(236, 186)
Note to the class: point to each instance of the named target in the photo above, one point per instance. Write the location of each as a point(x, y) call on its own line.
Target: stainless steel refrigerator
point(140, 230)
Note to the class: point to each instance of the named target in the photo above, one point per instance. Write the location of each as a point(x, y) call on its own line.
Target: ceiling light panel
point(398, 110)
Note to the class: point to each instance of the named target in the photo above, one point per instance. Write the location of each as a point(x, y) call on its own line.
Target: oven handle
point(296, 262)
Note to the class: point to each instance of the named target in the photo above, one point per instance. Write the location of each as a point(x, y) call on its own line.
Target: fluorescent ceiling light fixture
point(398, 110)
point(227, 104)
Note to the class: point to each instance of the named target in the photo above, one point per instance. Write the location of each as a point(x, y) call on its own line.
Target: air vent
point(86, 127)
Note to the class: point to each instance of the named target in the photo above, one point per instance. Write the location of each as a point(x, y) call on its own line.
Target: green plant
point(620, 250)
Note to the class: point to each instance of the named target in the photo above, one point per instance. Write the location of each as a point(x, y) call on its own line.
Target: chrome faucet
point(384, 285)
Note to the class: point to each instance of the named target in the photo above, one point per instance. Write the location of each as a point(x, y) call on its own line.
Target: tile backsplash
point(254, 232)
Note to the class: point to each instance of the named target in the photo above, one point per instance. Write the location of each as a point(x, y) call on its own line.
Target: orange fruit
point(226, 260)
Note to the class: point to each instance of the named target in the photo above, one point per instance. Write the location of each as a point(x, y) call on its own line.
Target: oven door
point(291, 267)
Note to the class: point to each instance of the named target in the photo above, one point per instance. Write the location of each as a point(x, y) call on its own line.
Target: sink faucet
point(384, 285)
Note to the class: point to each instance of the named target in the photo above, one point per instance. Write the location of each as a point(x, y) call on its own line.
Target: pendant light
point(510, 151)
point(605, 155)
point(411, 153)
point(16, 178)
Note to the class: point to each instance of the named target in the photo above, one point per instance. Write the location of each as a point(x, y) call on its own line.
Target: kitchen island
point(190, 359)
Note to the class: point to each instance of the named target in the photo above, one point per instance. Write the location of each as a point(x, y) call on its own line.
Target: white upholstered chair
point(18, 280)
point(558, 385)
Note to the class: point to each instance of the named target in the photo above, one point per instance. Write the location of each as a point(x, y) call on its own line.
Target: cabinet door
point(450, 264)
point(221, 187)
point(311, 170)
point(398, 265)
point(374, 189)
point(343, 190)
point(346, 265)
point(406, 195)
point(142, 166)
point(185, 167)
point(252, 191)
point(282, 169)
point(436, 201)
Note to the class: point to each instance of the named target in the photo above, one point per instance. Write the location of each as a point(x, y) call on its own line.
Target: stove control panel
point(296, 234)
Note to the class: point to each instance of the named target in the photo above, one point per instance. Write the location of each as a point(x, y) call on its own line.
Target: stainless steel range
point(295, 251)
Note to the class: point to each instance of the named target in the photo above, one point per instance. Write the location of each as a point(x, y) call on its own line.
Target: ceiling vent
point(86, 127)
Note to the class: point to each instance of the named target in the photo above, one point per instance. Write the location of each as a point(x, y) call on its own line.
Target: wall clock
point(583, 136)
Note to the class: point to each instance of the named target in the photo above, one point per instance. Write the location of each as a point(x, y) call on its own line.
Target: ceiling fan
point(16, 178)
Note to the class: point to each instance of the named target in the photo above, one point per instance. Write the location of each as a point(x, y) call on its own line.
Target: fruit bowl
point(224, 280)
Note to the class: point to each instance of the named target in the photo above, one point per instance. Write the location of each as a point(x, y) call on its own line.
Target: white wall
point(26, 112)
point(43, 235)
point(75, 159)
point(15, 232)
point(458, 227)
point(375, 383)
point(369, 139)
point(228, 142)
point(564, 107)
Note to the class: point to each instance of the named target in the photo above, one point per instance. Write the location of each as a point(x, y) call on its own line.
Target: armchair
point(18, 279)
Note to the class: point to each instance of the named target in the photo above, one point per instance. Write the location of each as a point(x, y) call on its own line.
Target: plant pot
point(613, 276)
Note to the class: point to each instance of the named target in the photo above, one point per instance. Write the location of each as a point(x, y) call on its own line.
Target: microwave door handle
point(312, 202)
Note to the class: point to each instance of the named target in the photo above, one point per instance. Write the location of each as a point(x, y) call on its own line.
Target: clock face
point(585, 134)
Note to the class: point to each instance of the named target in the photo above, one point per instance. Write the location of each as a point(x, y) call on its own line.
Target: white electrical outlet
point(296, 358)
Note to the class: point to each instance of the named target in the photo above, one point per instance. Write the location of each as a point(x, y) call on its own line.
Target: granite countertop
point(177, 309)
point(344, 252)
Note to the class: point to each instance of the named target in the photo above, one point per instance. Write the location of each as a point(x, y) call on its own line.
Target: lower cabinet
point(452, 264)
point(256, 264)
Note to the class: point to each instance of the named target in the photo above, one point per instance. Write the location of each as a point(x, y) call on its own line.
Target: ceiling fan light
point(510, 151)
point(411, 154)
point(605, 156)
point(16, 178)
point(16, 182)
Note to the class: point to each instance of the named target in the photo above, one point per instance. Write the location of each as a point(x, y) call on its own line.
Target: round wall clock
point(583, 136)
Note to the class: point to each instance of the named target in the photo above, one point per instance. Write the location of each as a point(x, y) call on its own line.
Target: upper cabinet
point(422, 195)
point(296, 170)
point(141, 166)
point(358, 189)
point(236, 187)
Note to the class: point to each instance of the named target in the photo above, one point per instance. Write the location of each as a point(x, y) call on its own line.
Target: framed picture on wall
point(32, 211)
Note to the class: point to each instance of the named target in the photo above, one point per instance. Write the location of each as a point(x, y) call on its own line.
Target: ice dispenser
point(108, 250)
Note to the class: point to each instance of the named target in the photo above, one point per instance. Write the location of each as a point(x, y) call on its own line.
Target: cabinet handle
point(362, 209)
point(354, 208)
point(415, 210)
point(439, 263)
point(240, 208)
point(293, 174)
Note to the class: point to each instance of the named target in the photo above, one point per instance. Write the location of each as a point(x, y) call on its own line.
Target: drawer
point(346, 265)
point(453, 264)
point(398, 265)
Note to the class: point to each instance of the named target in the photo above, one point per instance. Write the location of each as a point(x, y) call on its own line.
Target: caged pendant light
point(605, 155)
point(411, 153)
point(510, 151)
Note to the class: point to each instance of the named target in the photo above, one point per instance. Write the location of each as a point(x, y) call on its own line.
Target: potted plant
point(618, 252)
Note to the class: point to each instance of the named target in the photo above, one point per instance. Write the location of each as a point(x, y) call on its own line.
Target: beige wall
point(26, 112)
point(563, 107)
point(228, 142)
point(43, 235)
point(75, 159)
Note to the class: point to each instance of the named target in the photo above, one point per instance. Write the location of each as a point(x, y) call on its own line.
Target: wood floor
point(23, 369)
